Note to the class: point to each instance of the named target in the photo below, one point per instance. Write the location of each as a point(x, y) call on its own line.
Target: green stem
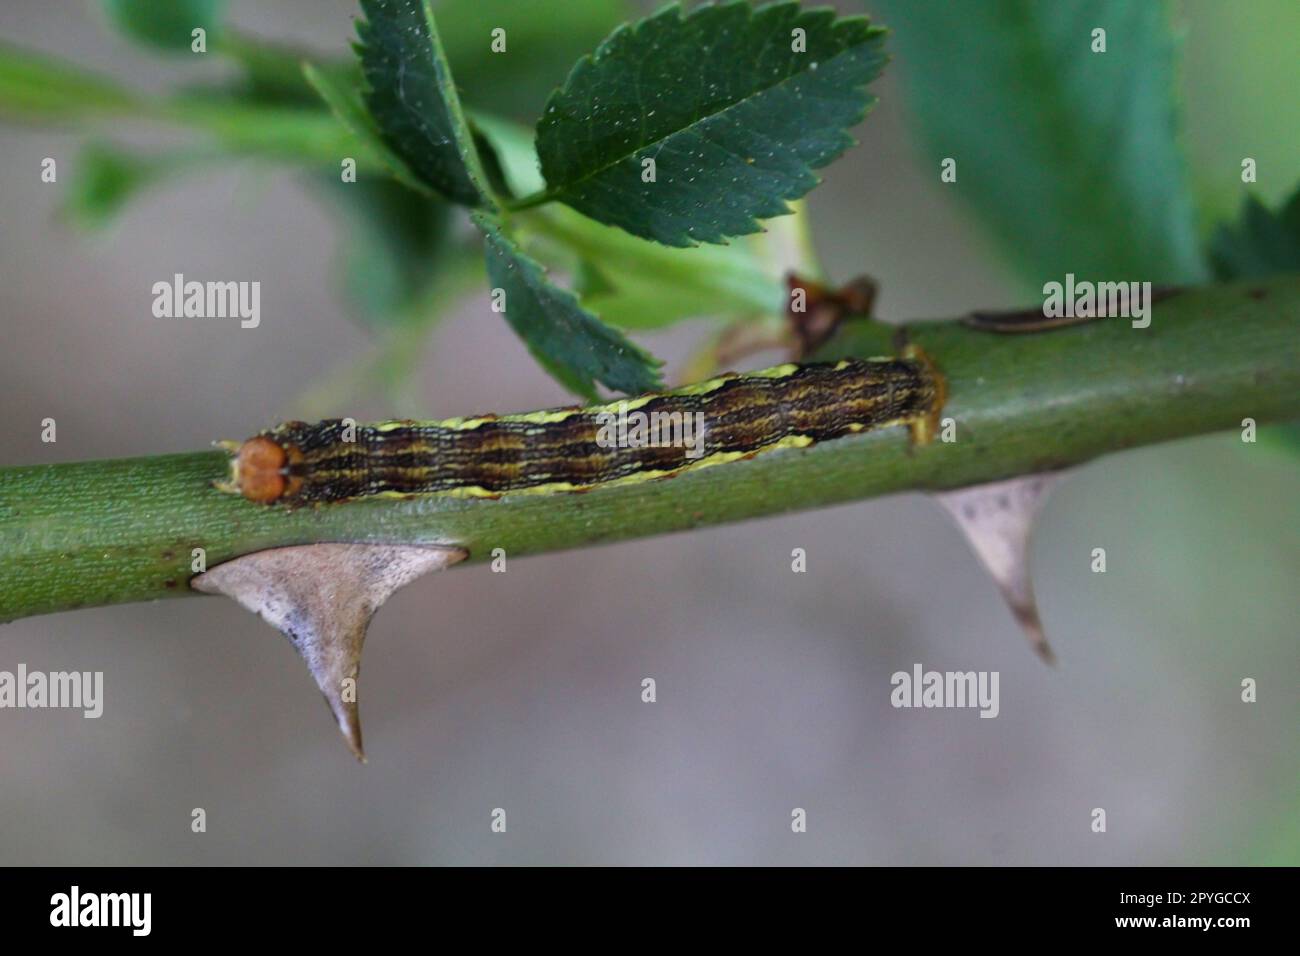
point(105, 532)
point(40, 89)
point(539, 198)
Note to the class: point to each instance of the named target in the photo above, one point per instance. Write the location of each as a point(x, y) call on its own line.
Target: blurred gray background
point(522, 690)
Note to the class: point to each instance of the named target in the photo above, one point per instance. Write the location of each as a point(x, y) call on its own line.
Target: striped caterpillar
point(569, 449)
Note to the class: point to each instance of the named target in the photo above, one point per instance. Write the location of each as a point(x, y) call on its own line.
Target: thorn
point(322, 597)
point(997, 520)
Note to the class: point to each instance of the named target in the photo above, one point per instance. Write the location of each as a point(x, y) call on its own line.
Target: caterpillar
point(725, 419)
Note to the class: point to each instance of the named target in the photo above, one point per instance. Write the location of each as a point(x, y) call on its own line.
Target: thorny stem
point(106, 532)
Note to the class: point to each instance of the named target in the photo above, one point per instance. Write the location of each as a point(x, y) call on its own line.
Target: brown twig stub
point(815, 311)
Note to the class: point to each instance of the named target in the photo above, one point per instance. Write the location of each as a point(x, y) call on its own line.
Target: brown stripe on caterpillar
point(560, 450)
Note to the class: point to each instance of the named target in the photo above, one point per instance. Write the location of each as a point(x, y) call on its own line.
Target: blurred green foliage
point(107, 178)
point(1071, 157)
point(1240, 76)
point(1075, 158)
point(166, 25)
point(1261, 242)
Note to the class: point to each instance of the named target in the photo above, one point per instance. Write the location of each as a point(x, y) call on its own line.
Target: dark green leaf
point(1071, 157)
point(1260, 243)
point(571, 343)
point(413, 99)
point(734, 119)
point(542, 42)
point(731, 280)
point(166, 24)
point(344, 101)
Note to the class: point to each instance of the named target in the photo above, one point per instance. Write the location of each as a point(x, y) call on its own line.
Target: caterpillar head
point(260, 470)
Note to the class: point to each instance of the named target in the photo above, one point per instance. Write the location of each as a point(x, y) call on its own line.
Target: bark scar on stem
point(322, 597)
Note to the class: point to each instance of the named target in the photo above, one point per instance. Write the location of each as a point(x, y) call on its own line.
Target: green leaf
point(413, 99)
point(572, 344)
point(542, 41)
point(344, 100)
point(734, 119)
point(166, 24)
point(644, 284)
point(1260, 243)
point(107, 178)
point(1071, 157)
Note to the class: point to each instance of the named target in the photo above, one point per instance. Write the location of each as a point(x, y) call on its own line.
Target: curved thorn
point(997, 519)
point(322, 597)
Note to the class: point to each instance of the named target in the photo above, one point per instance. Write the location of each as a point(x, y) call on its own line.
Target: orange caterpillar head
point(261, 470)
